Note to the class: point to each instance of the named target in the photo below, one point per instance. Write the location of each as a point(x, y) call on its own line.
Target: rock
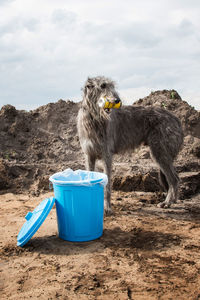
point(195, 150)
point(171, 100)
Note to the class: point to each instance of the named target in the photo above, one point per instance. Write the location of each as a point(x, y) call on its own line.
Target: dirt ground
point(144, 253)
point(38, 143)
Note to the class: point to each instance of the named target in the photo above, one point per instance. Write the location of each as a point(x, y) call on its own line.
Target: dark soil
point(36, 144)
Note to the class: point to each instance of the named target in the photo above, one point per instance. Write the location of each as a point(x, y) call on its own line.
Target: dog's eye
point(103, 85)
point(89, 86)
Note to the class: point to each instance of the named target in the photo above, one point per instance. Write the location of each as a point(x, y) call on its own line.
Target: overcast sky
point(48, 48)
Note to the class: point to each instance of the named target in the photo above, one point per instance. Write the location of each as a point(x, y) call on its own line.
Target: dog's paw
point(108, 211)
point(164, 205)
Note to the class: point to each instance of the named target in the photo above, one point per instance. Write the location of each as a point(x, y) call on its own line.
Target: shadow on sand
point(113, 239)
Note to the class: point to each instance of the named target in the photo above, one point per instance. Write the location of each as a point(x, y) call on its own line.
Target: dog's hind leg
point(172, 180)
point(169, 176)
point(163, 181)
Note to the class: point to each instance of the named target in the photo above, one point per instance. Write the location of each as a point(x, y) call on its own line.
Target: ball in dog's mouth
point(106, 103)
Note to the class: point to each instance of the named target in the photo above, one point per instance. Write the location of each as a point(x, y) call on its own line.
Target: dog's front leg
point(90, 162)
point(107, 170)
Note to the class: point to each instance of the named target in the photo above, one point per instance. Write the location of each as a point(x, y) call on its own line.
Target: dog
point(103, 133)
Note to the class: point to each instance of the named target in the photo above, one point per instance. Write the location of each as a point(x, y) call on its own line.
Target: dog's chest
point(91, 132)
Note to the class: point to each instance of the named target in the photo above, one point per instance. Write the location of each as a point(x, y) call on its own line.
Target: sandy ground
point(145, 253)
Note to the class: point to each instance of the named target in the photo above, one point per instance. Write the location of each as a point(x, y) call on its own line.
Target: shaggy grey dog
point(103, 133)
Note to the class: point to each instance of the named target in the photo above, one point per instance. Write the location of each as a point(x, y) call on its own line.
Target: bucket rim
point(102, 180)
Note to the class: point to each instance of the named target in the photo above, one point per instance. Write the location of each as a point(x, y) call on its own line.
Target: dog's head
point(96, 88)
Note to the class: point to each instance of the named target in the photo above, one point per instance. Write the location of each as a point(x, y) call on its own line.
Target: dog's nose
point(117, 100)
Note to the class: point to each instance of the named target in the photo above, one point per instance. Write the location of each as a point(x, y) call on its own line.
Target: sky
point(48, 48)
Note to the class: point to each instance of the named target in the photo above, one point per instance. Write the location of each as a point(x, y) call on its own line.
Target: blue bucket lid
point(34, 220)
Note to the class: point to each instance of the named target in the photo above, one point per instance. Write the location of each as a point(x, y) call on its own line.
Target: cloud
point(48, 48)
point(63, 18)
point(3, 2)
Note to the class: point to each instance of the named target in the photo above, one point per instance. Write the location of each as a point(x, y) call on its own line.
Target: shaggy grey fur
point(103, 134)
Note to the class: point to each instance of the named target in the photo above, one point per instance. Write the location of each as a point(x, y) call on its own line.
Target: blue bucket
point(79, 204)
